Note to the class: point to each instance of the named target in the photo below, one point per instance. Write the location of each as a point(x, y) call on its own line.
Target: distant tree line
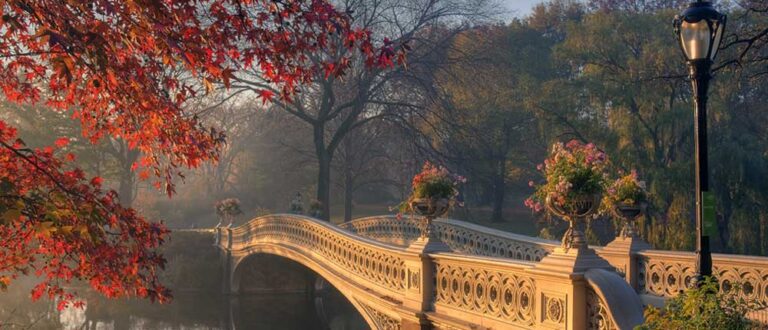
point(611, 73)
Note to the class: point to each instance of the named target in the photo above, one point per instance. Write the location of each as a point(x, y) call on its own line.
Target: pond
point(329, 310)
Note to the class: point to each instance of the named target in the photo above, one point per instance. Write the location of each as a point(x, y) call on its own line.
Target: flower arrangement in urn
point(227, 210)
point(626, 198)
point(575, 179)
point(435, 191)
point(315, 208)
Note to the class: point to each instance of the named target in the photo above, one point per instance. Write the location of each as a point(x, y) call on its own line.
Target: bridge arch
point(269, 273)
point(370, 306)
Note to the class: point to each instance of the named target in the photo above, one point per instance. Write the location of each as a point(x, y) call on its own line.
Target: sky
point(520, 7)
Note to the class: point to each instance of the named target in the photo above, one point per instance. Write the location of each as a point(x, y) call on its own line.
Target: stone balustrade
point(504, 293)
point(464, 277)
point(366, 260)
point(654, 274)
point(663, 274)
point(460, 236)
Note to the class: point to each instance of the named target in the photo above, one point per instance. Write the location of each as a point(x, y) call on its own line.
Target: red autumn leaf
point(62, 142)
point(266, 96)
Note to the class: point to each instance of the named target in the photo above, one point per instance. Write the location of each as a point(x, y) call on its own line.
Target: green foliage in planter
point(433, 182)
point(702, 308)
point(434, 189)
point(626, 190)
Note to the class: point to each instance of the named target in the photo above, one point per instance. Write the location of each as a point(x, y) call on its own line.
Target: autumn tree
point(110, 158)
point(238, 117)
point(747, 39)
point(127, 70)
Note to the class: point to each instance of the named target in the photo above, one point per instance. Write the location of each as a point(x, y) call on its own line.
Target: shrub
point(702, 308)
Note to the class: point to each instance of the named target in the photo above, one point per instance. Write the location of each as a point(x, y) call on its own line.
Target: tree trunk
point(127, 178)
point(499, 192)
point(348, 191)
point(323, 172)
point(125, 190)
point(324, 187)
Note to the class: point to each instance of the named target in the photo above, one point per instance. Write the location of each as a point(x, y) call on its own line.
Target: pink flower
point(573, 144)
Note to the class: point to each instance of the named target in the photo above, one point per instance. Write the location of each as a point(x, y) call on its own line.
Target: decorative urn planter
point(579, 209)
point(629, 213)
point(429, 209)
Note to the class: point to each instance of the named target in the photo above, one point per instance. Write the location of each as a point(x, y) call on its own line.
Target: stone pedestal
point(622, 253)
point(562, 287)
point(425, 245)
point(572, 261)
point(420, 281)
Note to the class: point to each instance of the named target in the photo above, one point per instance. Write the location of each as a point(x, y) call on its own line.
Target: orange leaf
point(62, 142)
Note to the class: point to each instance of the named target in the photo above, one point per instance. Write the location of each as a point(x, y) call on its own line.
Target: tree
point(128, 69)
point(624, 87)
point(365, 159)
point(333, 106)
point(746, 44)
point(490, 128)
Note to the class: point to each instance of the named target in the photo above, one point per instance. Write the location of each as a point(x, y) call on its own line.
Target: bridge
point(465, 276)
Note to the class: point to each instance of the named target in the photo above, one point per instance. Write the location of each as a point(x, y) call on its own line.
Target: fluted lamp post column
point(700, 30)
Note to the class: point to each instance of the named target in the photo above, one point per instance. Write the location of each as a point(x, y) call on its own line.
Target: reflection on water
point(188, 311)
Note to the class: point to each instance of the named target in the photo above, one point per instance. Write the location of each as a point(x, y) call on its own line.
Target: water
point(192, 311)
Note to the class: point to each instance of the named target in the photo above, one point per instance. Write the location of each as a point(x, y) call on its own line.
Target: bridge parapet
point(497, 293)
point(371, 261)
point(460, 236)
point(654, 274)
point(663, 274)
point(431, 284)
point(500, 293)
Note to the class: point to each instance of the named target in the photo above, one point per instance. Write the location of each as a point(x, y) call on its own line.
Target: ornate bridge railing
point(503, 292)
point(460, 236)
point(430, 285)
point(663, 274)
point(369, 261)
point(655, 275)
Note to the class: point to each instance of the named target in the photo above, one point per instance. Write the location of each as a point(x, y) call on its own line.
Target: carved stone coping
point(718, 258)
point(615, 304)
point(483, 261)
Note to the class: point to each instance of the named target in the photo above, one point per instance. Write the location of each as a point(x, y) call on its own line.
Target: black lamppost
point(700, 30)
